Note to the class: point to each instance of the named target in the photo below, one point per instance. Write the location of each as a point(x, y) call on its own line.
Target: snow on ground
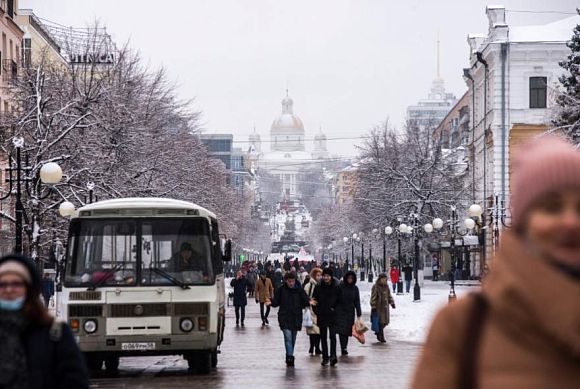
point(410, 321)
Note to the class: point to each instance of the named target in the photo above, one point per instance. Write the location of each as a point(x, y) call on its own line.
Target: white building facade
point(288, 157)
point(512, 76)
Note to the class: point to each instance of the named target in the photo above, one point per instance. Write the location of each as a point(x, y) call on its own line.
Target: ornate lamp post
point(494, 217)
point(453, 230)
point(399, 232)
point(50, 174)
point(414, 230)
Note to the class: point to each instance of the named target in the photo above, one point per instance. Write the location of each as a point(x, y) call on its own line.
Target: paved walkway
point(254, 357)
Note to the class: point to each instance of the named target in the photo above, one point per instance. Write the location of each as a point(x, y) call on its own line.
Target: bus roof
point(144, 203)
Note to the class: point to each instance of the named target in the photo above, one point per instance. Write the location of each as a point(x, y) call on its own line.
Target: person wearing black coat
point(408, 271)
point(348, 304)
point(36, 351)
point(291, 300)
point(277, 279)
point(326, 296)
point(240, 285)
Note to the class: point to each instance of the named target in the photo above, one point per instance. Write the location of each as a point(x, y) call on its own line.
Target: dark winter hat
point(186, 246)
point(382, 275)
point(16, 263)
point(327, 271)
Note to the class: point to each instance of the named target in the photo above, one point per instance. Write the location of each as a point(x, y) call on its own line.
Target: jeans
point(408, 285)
point(435, 275)
point(289, 341)
point(262, 315)
point(325, 332)
point(394, 287)
point(238, 309)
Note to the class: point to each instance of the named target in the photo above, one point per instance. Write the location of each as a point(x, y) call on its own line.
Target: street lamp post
point(384, 250)
point(453, 226)
point(362, 256)
point(415, 232)
point(399, 231)
point(50, 174)
point(495, 217)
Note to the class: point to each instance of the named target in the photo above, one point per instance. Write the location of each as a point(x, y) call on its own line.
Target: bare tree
point(119, 126)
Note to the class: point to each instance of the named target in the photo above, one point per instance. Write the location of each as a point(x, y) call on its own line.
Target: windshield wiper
point(106, 276)
point(168, 276)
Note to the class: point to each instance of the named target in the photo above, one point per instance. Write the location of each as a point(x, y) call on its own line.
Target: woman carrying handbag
point(381, 298)
point(313, 332)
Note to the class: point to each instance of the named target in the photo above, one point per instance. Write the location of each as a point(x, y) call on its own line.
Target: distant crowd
point(324, 300)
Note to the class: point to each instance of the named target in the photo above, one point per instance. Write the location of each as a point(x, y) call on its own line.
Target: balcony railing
point(9, 70)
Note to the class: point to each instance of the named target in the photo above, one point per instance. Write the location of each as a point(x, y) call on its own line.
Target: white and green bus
point(144, 276)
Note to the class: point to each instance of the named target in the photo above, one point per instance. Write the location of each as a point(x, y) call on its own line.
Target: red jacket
point(394, 276)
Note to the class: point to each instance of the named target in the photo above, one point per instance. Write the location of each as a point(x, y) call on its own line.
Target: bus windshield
point(129, 252)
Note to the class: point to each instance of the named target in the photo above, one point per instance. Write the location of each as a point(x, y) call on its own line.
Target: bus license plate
point(138, 346)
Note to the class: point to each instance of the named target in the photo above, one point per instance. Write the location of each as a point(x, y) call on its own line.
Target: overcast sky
point(348, 64)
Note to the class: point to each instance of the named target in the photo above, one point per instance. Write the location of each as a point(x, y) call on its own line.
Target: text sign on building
point(99, 58)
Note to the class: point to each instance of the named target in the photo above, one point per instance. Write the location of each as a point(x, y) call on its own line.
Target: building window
point(10, 8)
point(538, 92)
point(26, 52)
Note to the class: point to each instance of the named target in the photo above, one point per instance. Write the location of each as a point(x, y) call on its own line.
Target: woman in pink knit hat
point(523, 329)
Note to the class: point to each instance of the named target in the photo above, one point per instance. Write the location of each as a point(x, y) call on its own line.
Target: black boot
point(291, 362)
point(311, 350)
point(382, 337)
point(325, 361)
point(333, 361)
point(344, 352)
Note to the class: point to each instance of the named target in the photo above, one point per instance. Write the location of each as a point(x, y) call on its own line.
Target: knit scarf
point(13, 355)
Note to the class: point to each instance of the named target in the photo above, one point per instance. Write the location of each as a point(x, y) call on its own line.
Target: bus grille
point(190, 309)
point(85, 296)
point(138, 310)
point(85, 310)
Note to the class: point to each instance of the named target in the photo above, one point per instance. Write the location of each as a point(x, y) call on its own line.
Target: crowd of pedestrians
point(323, 300)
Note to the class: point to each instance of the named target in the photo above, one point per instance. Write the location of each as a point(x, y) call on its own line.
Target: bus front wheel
point(112, 364)
point(94, 362)
point(199, 361)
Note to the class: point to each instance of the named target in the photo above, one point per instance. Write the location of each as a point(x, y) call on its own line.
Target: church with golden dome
point(291, 152)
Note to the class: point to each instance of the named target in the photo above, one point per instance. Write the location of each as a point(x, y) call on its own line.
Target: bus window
point(218, 264)
point(176, 248)
point(103, 252)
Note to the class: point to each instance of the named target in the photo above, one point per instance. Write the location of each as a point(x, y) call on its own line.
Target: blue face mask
point(12, 305)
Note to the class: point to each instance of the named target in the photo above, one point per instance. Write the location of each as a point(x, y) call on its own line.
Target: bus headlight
point(186, 325)
point(90, 326)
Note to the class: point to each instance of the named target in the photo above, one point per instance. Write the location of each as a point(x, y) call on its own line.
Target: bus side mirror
point(227, 257)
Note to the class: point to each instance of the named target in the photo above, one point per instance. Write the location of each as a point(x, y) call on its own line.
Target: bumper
point(164, 344)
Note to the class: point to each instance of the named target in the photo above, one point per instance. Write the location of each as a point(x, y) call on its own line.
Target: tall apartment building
point(220, 146)
point(9, 65)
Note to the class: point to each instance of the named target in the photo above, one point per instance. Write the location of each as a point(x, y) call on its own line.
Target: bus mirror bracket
point(227, 257)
